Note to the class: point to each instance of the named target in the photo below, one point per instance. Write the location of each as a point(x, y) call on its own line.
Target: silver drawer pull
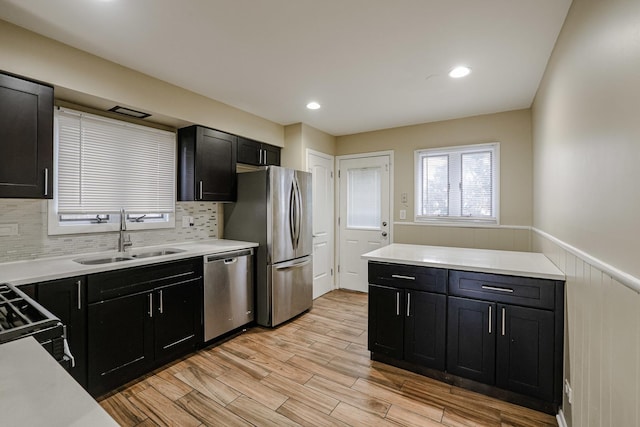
point(399, 276)
point(495, 288)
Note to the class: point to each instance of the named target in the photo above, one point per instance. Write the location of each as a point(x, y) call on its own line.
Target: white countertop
point(36, 391)
point(528, 264)
point(43, 269)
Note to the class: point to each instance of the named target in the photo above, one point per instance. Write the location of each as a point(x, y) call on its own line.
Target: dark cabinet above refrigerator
point(257, 153)
point(206, 165)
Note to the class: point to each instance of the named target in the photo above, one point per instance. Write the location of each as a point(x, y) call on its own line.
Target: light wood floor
point(312, 371)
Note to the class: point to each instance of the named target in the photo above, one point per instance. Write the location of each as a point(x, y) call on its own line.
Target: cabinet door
point(249, 151)
point(66, 299)
point(270, 155)
point(386, 320)
point(26, 138)
point(471, 339)
point(525, 351)
point(120, 341)
point(215, 177)
point(425, 329)
point(178, 319)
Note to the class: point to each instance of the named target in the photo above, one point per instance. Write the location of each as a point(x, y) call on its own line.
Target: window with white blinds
point(104, 165)
point(457, 184)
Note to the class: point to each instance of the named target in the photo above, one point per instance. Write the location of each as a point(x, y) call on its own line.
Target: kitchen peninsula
point(491, 321)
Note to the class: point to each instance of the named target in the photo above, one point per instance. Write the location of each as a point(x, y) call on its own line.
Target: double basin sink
point(127, 256)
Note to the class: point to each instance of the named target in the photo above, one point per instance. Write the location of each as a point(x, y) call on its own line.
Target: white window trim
point(458, 221)
point(55, 227)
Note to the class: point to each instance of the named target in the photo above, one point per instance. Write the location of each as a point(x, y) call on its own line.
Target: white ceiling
point(372, 64)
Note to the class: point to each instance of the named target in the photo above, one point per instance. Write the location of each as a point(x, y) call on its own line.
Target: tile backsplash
point(32, 240)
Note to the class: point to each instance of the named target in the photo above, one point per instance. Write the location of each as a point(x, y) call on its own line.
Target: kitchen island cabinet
point(503, 332)
point(26, 138)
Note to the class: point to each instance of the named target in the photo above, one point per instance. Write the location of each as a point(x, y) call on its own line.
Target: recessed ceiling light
point(460, 71)
point(313, 105)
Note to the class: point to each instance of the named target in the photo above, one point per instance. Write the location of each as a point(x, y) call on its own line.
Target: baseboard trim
point(626, 279)
point(562, 422)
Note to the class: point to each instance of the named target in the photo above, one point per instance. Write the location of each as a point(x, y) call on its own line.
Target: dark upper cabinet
point(206, 165)
point(26, 138)
point(66, 299)
point(257, 153)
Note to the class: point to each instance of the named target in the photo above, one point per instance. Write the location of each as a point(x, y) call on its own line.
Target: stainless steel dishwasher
point(228, 292)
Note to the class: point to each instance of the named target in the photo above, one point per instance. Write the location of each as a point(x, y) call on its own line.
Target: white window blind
point(363, 198)
point(105, 165)
point(457, 184)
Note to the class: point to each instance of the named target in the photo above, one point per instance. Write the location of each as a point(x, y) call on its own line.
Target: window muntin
point(457, 184)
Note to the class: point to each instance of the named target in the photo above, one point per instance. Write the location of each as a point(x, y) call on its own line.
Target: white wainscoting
point(602, 338)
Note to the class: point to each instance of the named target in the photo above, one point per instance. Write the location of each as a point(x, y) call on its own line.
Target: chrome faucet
point(122, 243)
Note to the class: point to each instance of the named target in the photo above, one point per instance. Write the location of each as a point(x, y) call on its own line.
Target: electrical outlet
point(568, 391)
point(185, 222)
point(403, 214)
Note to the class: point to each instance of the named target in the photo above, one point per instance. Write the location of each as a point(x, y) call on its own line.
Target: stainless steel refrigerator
point(274, 209)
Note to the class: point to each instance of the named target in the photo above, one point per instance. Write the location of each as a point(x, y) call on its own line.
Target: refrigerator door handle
point(291, 266)
point(292, 215)
point(298, 212)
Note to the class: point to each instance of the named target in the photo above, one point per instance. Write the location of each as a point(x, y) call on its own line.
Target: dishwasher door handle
point(230, 261)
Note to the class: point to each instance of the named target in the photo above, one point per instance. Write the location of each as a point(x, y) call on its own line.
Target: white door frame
point(337, 200)
point(306, 167)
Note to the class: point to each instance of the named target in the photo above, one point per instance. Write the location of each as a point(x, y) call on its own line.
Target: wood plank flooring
point(312, 371)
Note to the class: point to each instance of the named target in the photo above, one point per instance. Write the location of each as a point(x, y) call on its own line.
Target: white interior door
point(321, 167)
point(364, 215)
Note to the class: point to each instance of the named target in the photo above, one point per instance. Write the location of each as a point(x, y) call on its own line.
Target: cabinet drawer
point(524, 291)
point(112, 284)
point(408, 276)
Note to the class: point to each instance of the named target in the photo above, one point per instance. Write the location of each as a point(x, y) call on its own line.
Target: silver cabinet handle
point(150, 305)
point(489, 319)
point(503, 320)
point(495, 288)
point(399, 276)
point(79, 284)
point(397, 303)
point(161, 305)
point(261, 162)
point(408, 304)
point(200, 190)
point(46, 181)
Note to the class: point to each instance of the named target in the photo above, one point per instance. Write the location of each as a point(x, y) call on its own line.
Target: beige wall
point(298, 138)
point(512, 129)
point(586, 137)
point(87, 78)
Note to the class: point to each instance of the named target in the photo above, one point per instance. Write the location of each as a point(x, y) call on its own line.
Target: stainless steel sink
point(127, 257)
point(157, 252)
point(104, 260)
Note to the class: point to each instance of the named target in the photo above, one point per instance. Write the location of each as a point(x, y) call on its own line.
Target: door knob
point(384, 223)
point(384, 234)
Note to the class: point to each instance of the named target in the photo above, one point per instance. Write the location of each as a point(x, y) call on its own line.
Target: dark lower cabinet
point(471, 339)
point(178, 320)
point(425, 329)
point(66, 299)
point(141, 318)
point(408, 325)
point(525, 349)
point(120, 341)
point(386, 325)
